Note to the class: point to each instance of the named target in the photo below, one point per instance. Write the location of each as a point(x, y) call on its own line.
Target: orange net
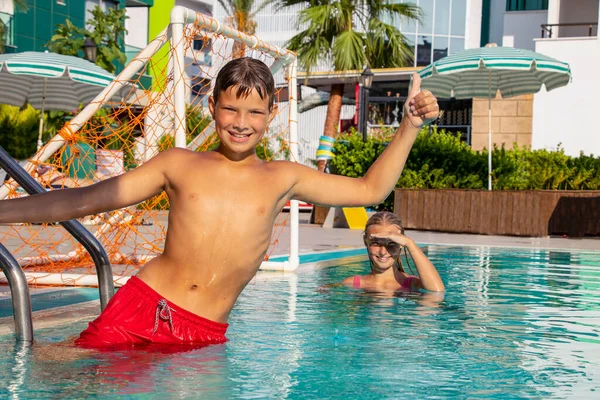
point(125, 132)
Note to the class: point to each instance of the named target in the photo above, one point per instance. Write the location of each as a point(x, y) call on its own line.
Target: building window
point(7, 33)
point(526, 5)
point(441, 31)
point(202, 51)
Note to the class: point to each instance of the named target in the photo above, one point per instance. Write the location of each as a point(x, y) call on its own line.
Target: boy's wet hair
point(247, 74)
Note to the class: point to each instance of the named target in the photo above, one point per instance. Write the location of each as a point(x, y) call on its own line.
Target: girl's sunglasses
point(390, 245)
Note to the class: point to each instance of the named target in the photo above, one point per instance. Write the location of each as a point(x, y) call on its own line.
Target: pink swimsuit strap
point(406, 282)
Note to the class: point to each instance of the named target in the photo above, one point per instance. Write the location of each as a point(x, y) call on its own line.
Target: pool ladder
point(16, 277)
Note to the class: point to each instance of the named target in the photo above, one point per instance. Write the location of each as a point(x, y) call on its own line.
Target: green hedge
point(441, 161)
point(19, 130)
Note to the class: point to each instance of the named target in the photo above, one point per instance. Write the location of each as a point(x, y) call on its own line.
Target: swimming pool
point(514, 323)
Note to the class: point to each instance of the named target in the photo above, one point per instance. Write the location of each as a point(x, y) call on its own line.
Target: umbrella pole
point(41, 129)
point(489, 131)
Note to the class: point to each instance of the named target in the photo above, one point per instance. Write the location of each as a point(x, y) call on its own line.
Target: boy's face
point(241, 122)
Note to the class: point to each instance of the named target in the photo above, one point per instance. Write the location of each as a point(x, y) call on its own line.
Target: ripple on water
point(513, 323)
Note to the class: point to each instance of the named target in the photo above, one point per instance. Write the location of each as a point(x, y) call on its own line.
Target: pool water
point(513, 323)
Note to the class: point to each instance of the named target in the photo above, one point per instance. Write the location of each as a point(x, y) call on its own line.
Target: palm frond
point(349, 51)
point(21, 5)
point(262, 6)
point(227, 6)
point(403, 11)
point(386, 46)
point(330, 31)
point(309, 3)
point(242, 6)
point(323, 18)
point(310, 49)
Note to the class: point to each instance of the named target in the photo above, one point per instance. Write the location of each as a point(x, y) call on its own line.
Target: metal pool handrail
point(75, 228)
point(20, 295)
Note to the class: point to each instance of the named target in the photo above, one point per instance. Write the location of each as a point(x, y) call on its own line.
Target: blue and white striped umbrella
point(484, 71)
point(64, 82)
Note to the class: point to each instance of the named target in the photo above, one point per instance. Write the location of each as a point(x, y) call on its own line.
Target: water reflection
point(20, 369)
point(45, 370)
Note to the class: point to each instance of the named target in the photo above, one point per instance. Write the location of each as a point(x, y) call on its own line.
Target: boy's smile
point(240, 121)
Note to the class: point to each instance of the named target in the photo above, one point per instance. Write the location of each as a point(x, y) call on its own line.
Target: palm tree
point(241, 17)
point(350, 34)
point(21, 5)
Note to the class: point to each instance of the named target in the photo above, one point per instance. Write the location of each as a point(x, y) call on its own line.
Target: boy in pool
point(223, 207)
point(385, 240)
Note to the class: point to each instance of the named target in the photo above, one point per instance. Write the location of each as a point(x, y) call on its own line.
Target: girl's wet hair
point(386, 218)
point(246, 74)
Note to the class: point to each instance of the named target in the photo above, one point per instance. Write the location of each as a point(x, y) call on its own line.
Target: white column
point(473, 24)
point(178, 19)
point(554, 15)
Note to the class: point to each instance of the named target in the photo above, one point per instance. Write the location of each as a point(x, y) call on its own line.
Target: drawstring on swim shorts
point(163, 312)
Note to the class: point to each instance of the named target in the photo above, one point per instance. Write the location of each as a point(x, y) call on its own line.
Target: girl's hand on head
point(399, 238)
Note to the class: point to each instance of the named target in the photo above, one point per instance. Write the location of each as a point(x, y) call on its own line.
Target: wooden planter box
point(519, 213)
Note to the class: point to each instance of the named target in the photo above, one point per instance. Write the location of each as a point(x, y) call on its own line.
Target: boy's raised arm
point(62, 205)
point(421, 107)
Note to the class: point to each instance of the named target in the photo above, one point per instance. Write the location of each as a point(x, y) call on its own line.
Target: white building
point(566, 115)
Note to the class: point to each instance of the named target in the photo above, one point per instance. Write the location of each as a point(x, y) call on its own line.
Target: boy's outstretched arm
point(62, 205)
point(420, 107)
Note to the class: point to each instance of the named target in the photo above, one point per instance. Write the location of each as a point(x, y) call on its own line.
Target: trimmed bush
point(441, 161)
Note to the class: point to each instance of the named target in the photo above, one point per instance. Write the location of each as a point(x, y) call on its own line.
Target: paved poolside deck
point(316, 238)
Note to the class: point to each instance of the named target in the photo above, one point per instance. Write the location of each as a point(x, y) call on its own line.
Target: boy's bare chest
point(217, 191)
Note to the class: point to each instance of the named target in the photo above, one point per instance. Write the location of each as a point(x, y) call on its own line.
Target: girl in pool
point(385, 241)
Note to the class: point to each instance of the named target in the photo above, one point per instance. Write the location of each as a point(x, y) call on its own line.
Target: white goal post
point(180, 17)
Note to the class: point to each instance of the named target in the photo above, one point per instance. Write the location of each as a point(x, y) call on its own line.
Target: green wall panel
point(485, 22)
point(76, 10)
point(44, 27)
point(24, 42)
point(24, 23)
point(44, 4)
point(36, 27)
point(159, 18)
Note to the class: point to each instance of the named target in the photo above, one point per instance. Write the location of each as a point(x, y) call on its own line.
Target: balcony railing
point(7, 34)
point(547, 28)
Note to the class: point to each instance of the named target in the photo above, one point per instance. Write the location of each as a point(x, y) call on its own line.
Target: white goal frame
point(180, 16)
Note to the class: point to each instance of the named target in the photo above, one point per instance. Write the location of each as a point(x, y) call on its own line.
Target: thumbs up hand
point(421, 107)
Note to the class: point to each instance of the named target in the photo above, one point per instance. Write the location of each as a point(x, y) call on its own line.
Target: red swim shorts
point(137, 314)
